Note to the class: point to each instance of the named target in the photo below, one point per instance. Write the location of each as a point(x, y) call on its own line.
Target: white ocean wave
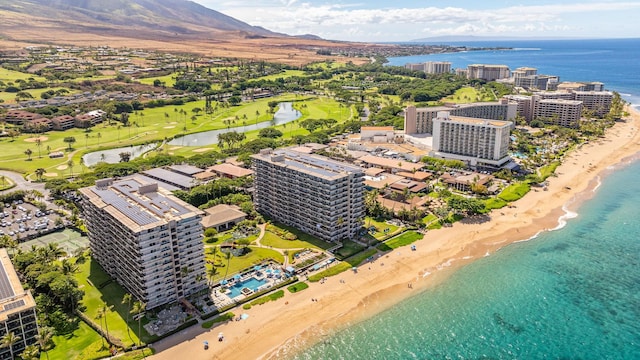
point(562, 220)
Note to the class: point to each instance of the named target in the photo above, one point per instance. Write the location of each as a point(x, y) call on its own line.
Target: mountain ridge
point(176, 16)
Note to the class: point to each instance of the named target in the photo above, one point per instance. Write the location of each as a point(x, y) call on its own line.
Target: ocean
point(611, 61)
point(571, 293)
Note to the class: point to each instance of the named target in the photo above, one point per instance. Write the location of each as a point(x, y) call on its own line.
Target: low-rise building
point(222, 217)
point(230, 171)
point(63, 122)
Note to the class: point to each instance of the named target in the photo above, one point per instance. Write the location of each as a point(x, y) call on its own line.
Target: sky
point(406, 20)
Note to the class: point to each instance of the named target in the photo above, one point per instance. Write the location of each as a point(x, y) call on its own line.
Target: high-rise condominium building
point(431, 67)
point(145, 238)
point(488, 72)
point(312, 193)
point(17, 310)
point(474, 141)
point(420, 120)
point(597, 101)
point(558, 111)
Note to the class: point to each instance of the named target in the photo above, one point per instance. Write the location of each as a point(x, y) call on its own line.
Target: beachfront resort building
point(477, 142)
point(420, 120)
point(431, 67)
point(599, 102)
point(487, 72)
point(18, 315)
point(528, 78)
point(146, 239)
point(317, 195)
point(557, 108)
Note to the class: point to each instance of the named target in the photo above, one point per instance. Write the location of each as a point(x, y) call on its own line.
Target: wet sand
point(277, 328)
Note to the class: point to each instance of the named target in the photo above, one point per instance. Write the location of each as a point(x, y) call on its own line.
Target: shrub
point(222, 318)
point(298, 287)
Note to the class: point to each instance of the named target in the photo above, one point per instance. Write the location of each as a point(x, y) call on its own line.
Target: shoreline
point(283, 328)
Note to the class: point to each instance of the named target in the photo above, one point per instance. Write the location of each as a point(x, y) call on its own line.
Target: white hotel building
point(477, 142)
point(146, 239)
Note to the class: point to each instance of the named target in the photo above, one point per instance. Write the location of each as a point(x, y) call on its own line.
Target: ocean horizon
point(611, 61)
point(570, 293)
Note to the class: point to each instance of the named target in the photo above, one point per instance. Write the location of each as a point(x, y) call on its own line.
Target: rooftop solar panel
point(6, 290)
point(14, 305)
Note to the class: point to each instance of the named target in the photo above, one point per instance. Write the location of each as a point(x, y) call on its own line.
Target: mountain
point(98, 16)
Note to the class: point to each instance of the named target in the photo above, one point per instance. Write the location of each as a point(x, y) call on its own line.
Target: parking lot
point(22, 220)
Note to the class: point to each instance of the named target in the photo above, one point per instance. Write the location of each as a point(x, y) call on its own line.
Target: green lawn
point(467, 95)
point(403, 239)
point(297, 287)
point(514, 192)
point(82, 344)
point(380, 227)
point(237, 264)
point(169, 80)
point(303, 241)
point(349, 248)
point(10, 97)
point(110, 294)
point(153, 125)
point(343, 266)
point(11, 76)
point(494, 203)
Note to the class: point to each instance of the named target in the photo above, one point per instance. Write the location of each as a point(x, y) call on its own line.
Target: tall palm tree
point(102, 314)
point(44, 339)
point(8, 341)
point(99, 317)
point(28, 152)
point(126, 299)
point(138, 309)
point(39, 172)
point(39, 145)
point(228, 256)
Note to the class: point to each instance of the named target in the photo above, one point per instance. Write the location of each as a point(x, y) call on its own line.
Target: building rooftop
point(476, 121)
point(174, 178)
point(315, 165)
point(221, 214)
point(390, 163)
point(377, 128)
point(561, 101)
point(13, 297)
point(230, 169)
point(185, 169)
point(137, 204)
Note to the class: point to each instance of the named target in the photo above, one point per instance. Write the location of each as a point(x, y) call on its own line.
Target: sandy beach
point(276, 328)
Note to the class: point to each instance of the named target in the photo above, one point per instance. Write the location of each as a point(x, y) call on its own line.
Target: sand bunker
point(34, 139)
point(169, 127)
point(62, 167)
point(50, 174)
point(202, 150)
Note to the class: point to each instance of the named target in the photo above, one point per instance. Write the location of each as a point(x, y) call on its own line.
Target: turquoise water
point(251, 283)
point(573, 293)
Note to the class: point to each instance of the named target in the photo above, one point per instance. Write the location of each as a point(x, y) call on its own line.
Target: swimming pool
point(251, 283)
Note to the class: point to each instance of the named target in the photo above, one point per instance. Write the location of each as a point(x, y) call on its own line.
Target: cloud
point(351, 21)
